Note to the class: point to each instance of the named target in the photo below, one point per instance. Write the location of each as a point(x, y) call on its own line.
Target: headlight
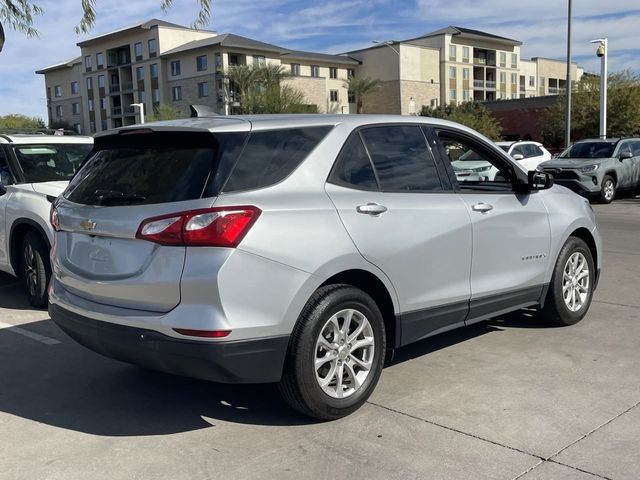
point(589, 168)
point(482, 169)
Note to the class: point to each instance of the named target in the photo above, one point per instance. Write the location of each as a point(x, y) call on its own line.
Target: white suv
point(34, 170)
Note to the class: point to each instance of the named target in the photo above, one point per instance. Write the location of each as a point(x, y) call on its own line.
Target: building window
point(57, 91)
point(514, 60)
point(465, 95)
point(452, 53)
point(514, 78)
point(201, 63)
point(58, 111)
point(351, 72)
point(503, 59)
point(176, 93)
point(75, 108)
point(465, 54)
point(92, 127)
point(259, 60)
point(90, 103)
point(139, 73)
point(333, 95)
point(465, 74)
point(542, 83)
point(87, 63)
point(104, 125)
point(315, 71)
point(154, 70)
point(351, 97)
point(89, 83)
point(333, 72)
point(76, 127)
point(532, 81)
point(155, 95)
point(99, 60)
point(233, 59)
point(452, 72)
point(137, 50)
point(103, 103)
point(452, 94)
point(153, 48)
point(75, 88)
point(295, 69)
point(503, 77)
point(175, 68)
point(100, 81)
point(203, 89)
point(141, 96)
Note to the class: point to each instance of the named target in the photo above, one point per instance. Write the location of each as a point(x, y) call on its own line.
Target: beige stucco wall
point(379, 62)
point(314, 89)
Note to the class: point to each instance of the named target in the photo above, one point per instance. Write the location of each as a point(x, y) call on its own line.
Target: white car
point(34, 170)
point(528, 154)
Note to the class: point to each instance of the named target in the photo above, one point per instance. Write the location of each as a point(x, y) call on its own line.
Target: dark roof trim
point(321, 57)
point(59, 66)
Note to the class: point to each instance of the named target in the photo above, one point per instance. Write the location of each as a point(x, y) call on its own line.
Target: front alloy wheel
point(575, 282)
point(608, 191)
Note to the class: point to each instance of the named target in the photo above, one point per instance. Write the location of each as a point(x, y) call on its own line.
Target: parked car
point(598, 168)
point(34, 169)
point(299, 249)
point(528, 154)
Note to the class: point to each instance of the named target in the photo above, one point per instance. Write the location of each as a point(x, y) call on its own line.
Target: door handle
point(371, 209)
point(482, 207)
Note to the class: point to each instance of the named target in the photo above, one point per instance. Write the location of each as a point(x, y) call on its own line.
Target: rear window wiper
point(114, 196)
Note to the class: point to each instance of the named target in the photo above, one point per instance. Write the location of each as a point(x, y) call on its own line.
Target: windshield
point(505, 147)
point(51, 162)
point(589, 150)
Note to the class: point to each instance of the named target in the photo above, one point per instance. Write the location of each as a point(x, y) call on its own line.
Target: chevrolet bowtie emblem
point(88, 224)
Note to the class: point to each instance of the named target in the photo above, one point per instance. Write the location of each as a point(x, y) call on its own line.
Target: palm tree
point(271, 74)
point(243, 77)
point(360, 87)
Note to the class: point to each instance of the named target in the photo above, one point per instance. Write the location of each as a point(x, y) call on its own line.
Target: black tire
point(299, 386)
point(606, 195)
point(556, 311)
point(36, 270)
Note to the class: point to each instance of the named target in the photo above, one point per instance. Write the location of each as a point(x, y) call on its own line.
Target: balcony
point(479, 61)
point(491, 84)
point(114, 88)
point(478, 84)
point(116, 111)
point(127, 87)
point(129, 110)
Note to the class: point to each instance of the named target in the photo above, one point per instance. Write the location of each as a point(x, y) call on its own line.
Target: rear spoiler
point(202, 111)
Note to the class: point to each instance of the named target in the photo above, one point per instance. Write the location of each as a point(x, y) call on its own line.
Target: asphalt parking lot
point(505, 399)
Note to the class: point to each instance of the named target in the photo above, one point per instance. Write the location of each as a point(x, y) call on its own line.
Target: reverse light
point(589, 168)
point(53, 219)
point(210, 227)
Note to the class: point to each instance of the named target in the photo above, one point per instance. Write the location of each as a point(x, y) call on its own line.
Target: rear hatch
point(130, 177)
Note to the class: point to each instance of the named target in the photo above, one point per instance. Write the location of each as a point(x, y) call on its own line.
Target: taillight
point(203, 333)
point(210, 227)
point(53, 218)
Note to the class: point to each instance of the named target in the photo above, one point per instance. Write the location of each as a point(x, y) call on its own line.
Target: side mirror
point(539, 180)
point(624, 155)
point(518, 156)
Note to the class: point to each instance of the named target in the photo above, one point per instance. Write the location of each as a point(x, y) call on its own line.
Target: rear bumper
point(243, 361)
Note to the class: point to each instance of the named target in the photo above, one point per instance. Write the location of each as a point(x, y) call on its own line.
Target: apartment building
point(158, 62)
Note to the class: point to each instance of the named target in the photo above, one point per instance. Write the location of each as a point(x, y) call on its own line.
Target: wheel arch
point(585, 235)
point(612, 174)
point(19, 229)
point(378, 291)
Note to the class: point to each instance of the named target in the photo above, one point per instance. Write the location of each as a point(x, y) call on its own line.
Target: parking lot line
point(28, 334)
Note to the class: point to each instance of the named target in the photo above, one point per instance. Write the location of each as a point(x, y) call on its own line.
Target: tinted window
point(635, 148)
point(353, 167)
point(589, 150)
point(50, 162)
point(536, 151)
point(150, 168)
point(270, 156)
point(519, 150)
point(401, 158)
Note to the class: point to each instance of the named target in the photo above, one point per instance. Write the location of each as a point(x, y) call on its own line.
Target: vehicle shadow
point(12, 295)
point(68, 386)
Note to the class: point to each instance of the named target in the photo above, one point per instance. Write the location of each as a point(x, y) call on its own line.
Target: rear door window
point(272, 155)
point(401, 158)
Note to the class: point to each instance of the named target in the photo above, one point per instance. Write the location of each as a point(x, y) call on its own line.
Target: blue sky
point(333, 26)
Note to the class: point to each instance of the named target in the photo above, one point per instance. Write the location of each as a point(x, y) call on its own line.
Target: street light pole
point(567, 135)
point(603, 50)
point(141, 107)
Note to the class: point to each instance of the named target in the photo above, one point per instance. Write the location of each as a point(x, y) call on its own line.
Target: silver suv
point(300, 249)
point(34, 170)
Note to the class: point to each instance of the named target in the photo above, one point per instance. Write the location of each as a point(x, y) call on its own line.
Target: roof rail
point(202, 111)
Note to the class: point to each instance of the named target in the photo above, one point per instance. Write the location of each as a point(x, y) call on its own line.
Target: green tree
point(242, 78)
point(19, 15)
point(164, 112)
point(361, 87)
point(471, 114)
point(278, 99)
point(16, 121)
point(271, 74)
point(623, 115)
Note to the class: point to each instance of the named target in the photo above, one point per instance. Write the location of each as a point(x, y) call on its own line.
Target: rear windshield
point(50, 162)
point(160, 167)
point(590, 150)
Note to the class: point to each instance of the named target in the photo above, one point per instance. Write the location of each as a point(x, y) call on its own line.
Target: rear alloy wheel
point(571, 288)
point(336, 353)
point(36, 270)
point(608, 189)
